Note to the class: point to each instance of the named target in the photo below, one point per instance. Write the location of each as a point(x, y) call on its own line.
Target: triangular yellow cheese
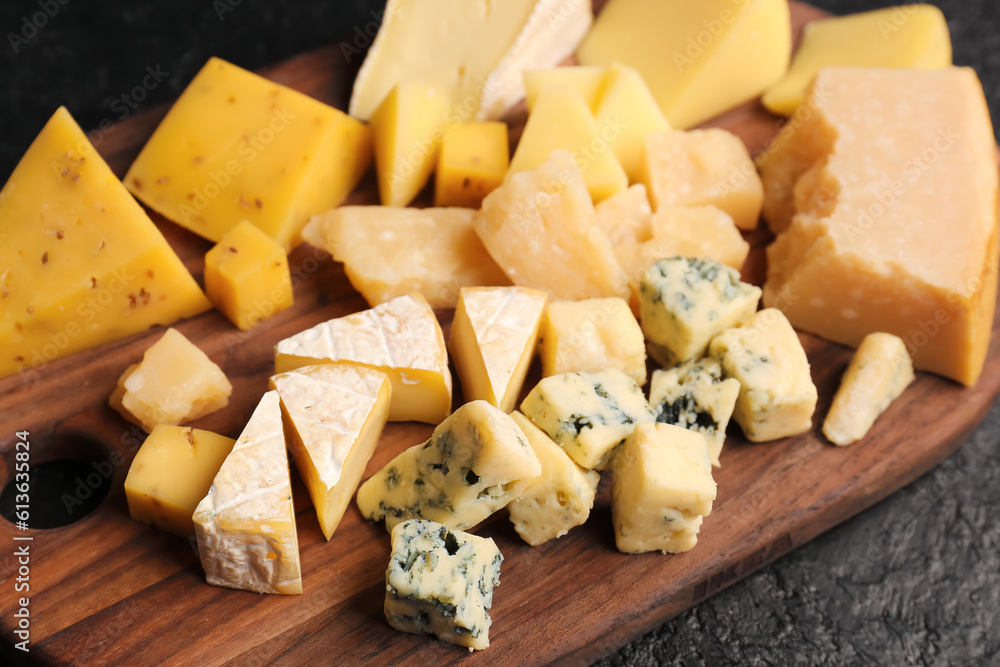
point(627, 112)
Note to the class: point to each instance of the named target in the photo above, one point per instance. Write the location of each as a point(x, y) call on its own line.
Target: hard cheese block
point(698, 58)
point(333, 416)
point(879, 372)
point(472, 163)
point(171, 473)
point(889, 192)
point(80, 262)
point(236, 146)
point(389, 252)
point(626, 215)
point(493, 339)
point(472, 50)
point(402, 338)
point(474, 464)
point(701, 231)
point(246, 524)
point(588, 81)
point(440, 581)
point(912, 35)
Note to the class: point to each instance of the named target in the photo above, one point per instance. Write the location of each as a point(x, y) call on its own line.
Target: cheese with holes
point(472, 50)
point(236, 147)
point(246, 524)
point(402, 338)
point(173, 384)
point(888, 191)
point(698, 58)
point(777, 395)
point(663, 488)
point(911, 35)
point(562, 496)
point(879, 372)
point(698, 396)
point(472, 163)
point(171, 473)
point(440, 581)
point(493, 339)
point(588, 414)
point(474, 464)
point(80, 262)
point(389, 252)
point(541, 229)
point(333, 416)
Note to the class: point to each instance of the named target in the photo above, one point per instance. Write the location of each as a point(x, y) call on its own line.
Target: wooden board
point(109, 590)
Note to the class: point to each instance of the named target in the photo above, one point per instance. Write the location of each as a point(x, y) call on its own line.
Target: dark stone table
point(914, 580)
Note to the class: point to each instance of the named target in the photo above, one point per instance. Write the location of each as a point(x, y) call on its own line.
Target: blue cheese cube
point(440, 581)
point(697, 396)
point(588, 414)
point(684, 302)
point(476, 462)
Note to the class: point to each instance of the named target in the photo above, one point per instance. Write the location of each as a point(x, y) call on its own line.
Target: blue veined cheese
point(686, 301)
point(587, 414)
point(777, 395)
point(879, 372)
point(440, 581)
point(476, 462)
point(246, 524)
point(562, 496)
point(662, 489)
point(334, 415)
point(697, 396)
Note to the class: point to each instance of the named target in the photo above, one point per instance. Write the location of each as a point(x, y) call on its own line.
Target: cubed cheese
point(472, 163)
point(626, 216)
point(701, 231)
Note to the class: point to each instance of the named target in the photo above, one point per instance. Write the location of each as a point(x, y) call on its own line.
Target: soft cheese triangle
point(333, 416)
point(246, 524)
point(402, 338)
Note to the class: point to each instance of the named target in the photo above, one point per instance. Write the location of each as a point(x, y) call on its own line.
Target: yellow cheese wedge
point(547, 238)
point(389, 252)
point(236, 146)
point(698, 58)
point(562, 120)
point(171, 473)
point(911, 35)
point(80, 262)
point(407, 129)
point(493, 339)
point(472, 163)
point(401, 338)
point(247, 276)
point(588, 81)
point(701, 231)
point(896, 209)
point(245, 525)
point(627, 106)
point(333, 417)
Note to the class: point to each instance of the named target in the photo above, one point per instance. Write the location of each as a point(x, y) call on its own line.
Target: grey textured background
point(915, 580)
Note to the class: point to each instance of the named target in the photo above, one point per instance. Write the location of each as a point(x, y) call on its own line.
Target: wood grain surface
point(108, 590)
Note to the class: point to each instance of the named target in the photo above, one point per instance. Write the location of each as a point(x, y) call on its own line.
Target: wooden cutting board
point(108, 590)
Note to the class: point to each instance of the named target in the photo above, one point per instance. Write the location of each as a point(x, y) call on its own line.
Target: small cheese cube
point(402, 338)
point(171, 473)
point(588, 414)
point(703, 168)
point(440, 581)
point(685, 302)
point(174, 383)
point(562, 496)
point(472, 163)
point(476, 462)
point(592, 335)
point(390, 251)
point(879, 372)
point(625, 216)
point(541, 229)
point(247, 276)
point(777, 396)
point(333, 417)
point(407, 129)
point(697, 396)
point(493, 340)
point(662, 489)
point(701, 231)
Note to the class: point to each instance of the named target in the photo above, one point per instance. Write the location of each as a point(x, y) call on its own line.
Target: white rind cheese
point(246, 524)
point(474, 464)
point(440, 581)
